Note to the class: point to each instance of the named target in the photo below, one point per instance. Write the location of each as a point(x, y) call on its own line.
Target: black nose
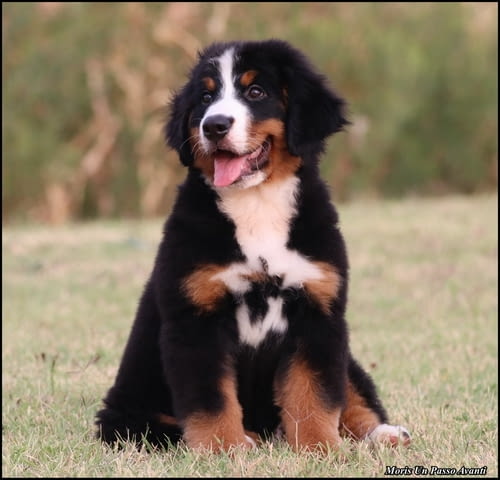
point(216, 127)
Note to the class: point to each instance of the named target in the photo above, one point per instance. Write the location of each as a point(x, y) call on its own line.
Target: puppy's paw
point(392, 435)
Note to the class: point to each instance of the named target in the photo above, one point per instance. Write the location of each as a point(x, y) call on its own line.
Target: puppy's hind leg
point(363, 416)
point(136, 406)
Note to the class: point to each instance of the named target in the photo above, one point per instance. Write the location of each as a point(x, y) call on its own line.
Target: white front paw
point(391, 435)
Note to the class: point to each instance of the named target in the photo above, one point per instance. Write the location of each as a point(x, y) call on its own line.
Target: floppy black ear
point(177, 126)
point(314, 110)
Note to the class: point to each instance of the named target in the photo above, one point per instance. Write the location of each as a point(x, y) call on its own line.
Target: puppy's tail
point(156, 430)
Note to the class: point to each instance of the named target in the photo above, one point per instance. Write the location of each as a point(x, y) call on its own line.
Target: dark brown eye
point(206, 98)
point(254, 92)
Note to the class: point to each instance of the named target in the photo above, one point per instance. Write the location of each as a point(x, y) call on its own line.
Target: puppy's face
point(238, 119)
point(237, 127)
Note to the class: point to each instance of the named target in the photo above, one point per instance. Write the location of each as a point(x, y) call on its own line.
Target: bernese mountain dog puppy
point(240, 332)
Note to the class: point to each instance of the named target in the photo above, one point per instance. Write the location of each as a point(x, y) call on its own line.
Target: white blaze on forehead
point(228, 104)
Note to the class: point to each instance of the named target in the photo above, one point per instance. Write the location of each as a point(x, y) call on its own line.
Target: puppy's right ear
point(177, 126)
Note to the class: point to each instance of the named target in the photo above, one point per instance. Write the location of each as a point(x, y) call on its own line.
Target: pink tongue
point(228, 169)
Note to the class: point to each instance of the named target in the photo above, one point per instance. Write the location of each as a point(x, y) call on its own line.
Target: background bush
point(85, 87)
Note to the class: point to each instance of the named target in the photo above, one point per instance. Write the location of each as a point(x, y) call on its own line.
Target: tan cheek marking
point(307, 422)
point(282, 165)
point(357, 419)
point(209, 83)
point(218, 431)
point(248, 77)
point(271, 126)
point(202, 290)
point(324, 290)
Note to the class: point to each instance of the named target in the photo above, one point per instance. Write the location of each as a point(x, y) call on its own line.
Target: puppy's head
point(252, 112)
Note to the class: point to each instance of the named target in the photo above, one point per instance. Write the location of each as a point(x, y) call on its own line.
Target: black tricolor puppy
point(240, 330)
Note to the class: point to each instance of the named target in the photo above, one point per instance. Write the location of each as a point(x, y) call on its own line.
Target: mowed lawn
point(423, 315)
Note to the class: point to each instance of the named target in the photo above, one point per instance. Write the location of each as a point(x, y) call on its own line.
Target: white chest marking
point(254, 333)
point(262, 216)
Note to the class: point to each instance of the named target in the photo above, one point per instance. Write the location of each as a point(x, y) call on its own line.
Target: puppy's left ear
point(177, 126)
point(314, 110)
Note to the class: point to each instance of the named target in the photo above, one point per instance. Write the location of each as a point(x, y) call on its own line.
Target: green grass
point(422, 314)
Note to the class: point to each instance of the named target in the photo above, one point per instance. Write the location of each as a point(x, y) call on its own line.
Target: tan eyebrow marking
point(248, 77)
point(209, 83)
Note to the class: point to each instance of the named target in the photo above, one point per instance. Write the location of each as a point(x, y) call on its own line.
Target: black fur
point(176, 355)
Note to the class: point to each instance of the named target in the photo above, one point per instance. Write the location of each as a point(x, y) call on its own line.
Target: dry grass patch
point(423, 317)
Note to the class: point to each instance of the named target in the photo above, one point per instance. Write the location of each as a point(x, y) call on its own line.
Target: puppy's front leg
point(203, 386)
point(197, 343)
point(309, 419)
point(219, 429)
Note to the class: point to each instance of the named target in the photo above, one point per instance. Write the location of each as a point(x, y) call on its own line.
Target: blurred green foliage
point(85, 87)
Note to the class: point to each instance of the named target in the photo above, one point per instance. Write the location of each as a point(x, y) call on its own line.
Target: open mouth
point(229, 167)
